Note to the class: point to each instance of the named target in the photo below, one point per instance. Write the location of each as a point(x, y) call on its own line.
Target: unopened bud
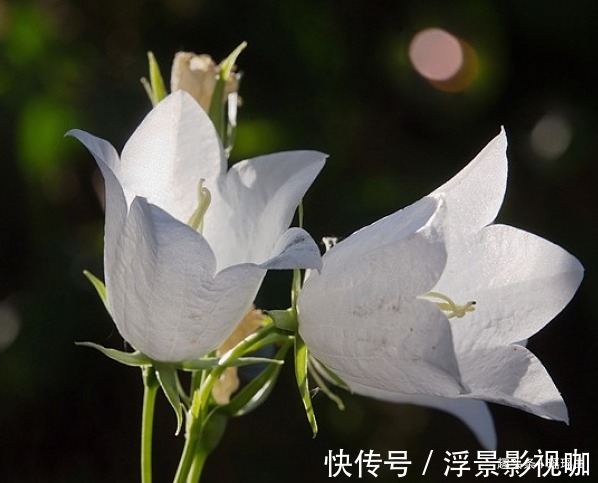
point(229, 381)
point(198, 74)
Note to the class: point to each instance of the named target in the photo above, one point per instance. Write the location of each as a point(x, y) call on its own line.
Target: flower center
point(450, 308)
point(204, 198)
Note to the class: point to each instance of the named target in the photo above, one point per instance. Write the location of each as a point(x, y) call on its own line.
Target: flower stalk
point(205, 420)
point(150, 390)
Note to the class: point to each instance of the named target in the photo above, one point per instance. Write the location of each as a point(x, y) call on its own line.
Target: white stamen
point(204, 198)
point(451, 308)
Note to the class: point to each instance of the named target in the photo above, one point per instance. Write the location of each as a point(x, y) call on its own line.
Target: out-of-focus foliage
point(333, 76)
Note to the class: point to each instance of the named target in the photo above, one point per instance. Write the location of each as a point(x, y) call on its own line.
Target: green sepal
point(301, 355)
point(216, 111)
point(98, 285)
point(168, 379)
point(133, 359)
point(258, 390)
point(211, 362)
point(272, 337)
point(226, 66)
point(155, 88)
point(319, 380)
point(284, 319)
point(329, 374)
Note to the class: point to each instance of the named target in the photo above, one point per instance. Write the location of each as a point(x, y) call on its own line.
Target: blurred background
point(401, 94)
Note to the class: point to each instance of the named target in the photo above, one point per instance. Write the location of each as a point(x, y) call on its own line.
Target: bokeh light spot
point(551, 136)
point(41, 129)
point(436, 54)
point(449, 63)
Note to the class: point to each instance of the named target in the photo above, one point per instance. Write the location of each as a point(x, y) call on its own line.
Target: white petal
point(116, 206)
point(403, 346)
point(519, 281)
point(166, 301)
point(102, 150)
point(475, 414)
point(393, 229)
point(474, 196)
point(255, 204)
point(512, 376)
point(360, 315)
point(172, 149)
point(295, 249)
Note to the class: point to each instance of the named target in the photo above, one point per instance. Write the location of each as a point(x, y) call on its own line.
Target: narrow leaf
point(98, 285)
point(133, 359)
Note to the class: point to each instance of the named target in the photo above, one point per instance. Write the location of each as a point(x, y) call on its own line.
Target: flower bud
point(229, 381)
point(198, 74)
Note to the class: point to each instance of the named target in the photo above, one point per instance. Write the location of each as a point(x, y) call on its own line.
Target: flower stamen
point(451, 308)
point(204, 198)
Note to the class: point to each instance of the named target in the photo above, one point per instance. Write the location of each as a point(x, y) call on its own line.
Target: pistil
point(451, 308)
point(204, 198)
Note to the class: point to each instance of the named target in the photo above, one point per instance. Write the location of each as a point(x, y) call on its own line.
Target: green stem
point(195, 450)
point(198, 446)
point(199, 458)
point(188, 450)
point(150, 389)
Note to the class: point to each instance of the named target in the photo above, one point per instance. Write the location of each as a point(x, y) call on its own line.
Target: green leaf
point(168, 379)
point(98, 285)
point(301, 355)
point(133, 359)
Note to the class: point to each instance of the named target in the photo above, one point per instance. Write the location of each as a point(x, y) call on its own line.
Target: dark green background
point(327, 75)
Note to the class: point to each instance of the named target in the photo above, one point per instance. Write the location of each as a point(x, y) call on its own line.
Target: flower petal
point(513, 376)
point(360, 315)
point(294, 249)
point(403, 347)
point(519, 282)
point(115, 204)
point(255, 204)
point(166, 301)
point(172, 149)
point(474, 196)
point(475, 414)
point(103, 152)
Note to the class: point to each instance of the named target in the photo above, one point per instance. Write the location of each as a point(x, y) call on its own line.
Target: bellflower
point(433, 305)
point(176, 291)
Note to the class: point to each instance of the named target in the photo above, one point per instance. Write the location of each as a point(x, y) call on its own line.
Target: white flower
point(176, 294)
point(370, 315)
